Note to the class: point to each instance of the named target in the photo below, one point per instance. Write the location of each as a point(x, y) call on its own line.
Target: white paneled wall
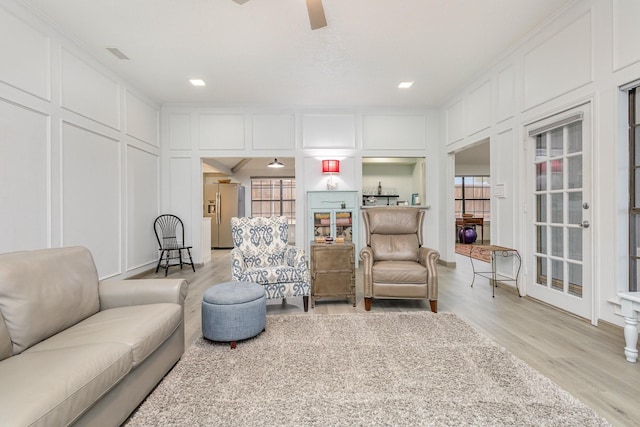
point(308, 136)
point(506, 96)
point(91, 195)
point(24, 175)
point(77, 174)
point(83, 85)
point(479, 101)
point(393, 132)
point(179, 131)
point(142, 119)
point(273, 131)
point(30, 58)
point(581, 57)
point(221, 131)
point(560, 63)
point(626, 33)
point(455, 125)
point(143, 170)
point(329, 131)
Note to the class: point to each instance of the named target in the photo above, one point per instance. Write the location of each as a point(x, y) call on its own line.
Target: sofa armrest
point(366, 256)
point(238, 265)
point(295, 257)
point(122, 293)
point(429, 258)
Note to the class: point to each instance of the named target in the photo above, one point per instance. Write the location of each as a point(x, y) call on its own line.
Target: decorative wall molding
point(394, 132)
point(479, 109)
point(88, 92)
point(559, 64)
point(328, 130)
point(221, 131)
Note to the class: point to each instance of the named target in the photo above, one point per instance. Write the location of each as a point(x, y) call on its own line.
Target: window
point(472, 196)
point(273, 197)
point(634, 189)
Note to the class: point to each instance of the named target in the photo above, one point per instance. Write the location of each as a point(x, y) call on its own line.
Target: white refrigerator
point(222, 201)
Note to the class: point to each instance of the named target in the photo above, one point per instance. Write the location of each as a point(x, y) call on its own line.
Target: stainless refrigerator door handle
point(218, 208)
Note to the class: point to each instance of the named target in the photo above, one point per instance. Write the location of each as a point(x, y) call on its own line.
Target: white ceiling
point(478, 154)
point(263, 53)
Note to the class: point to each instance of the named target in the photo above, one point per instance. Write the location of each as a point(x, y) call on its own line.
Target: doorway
point(559, 192)
point(246, 185)
point(472, 196)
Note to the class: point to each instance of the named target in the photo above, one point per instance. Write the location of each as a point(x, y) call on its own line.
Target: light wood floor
point(584, 360)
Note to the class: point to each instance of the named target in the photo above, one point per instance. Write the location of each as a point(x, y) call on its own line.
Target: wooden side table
point(333, 272)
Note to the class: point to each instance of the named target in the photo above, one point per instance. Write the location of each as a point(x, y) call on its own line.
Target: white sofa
point(76, 350)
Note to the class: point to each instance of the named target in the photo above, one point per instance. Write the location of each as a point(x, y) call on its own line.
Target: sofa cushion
point(44, 292)
point(143, 328)
point(6, 348)
point(280, 274)
point(399, 272)
point(53, 388)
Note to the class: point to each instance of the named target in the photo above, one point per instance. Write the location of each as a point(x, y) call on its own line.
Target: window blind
point(556, 124)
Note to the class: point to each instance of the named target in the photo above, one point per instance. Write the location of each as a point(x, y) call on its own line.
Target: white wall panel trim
point(454, 122)
point(479, 108)
point(571, 50)
point(626, 33)
point(506, 93)
point(91, 194)
point(31, 59)
point(88, 92)
point(142, 119)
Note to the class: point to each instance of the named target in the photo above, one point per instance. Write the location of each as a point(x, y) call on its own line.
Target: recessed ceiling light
point(197, 82)
point(405, 85)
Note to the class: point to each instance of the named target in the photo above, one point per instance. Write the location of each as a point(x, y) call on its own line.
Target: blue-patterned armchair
point(261, 254)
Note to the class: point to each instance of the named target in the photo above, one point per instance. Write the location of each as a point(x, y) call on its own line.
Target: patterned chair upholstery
point(261, 254)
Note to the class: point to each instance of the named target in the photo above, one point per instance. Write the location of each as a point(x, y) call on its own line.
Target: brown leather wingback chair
point(395, 264)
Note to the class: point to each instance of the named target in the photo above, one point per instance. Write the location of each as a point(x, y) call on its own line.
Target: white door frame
point(585, 306)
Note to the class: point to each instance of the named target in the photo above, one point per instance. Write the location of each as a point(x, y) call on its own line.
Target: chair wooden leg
point(434, 305)
point(367, 304)
point(193, 267)
point(180, 257)
point(305, 302)
point(159, 261)
point(166, 265)
point(233, 344)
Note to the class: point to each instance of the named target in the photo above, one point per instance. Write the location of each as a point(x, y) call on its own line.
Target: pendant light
point(275, 164)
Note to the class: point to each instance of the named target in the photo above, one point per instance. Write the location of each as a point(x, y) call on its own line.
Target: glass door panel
point(561, 239)
point(322, 224)
point(344, 222)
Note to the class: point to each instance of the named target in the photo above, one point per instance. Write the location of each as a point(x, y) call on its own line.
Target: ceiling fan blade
point(316, 14)
point(241, 1)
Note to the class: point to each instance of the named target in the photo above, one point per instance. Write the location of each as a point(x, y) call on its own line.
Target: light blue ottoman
point(233, 311)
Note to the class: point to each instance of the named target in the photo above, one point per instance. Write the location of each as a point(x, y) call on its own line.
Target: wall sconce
point(331, 167)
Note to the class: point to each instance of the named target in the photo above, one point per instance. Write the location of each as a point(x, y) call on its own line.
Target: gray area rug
point(415, 368)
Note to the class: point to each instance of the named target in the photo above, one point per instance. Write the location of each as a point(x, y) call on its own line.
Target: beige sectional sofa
point(76, 350)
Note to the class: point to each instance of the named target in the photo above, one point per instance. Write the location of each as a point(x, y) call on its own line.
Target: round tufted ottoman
point(233, 311)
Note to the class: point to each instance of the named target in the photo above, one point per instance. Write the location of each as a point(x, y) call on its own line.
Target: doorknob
point(584, 224)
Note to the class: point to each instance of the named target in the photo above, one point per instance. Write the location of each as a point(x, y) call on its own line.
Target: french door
point(559, 171)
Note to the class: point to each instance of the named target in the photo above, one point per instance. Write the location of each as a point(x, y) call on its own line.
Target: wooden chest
point(333, 273)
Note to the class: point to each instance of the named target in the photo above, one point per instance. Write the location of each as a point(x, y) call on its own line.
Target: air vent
point(117, 53)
